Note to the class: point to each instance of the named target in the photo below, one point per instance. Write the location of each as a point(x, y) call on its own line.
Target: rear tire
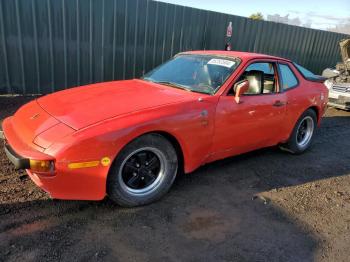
point(143, 171)
point(302, 134)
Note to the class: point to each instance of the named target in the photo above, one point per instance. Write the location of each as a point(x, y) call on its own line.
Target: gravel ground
point(263, 206)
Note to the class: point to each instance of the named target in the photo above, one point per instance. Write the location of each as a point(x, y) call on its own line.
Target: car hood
point(83, 106)
point(345, 49)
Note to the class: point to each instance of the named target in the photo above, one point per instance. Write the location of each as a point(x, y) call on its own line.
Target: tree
point(257, 16)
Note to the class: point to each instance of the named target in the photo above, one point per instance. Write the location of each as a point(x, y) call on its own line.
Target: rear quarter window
point(289, 80)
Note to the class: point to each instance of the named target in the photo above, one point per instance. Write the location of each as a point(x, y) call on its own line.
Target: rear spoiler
point(317, 78)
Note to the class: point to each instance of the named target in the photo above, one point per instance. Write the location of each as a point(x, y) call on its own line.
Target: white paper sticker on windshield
point(221, 62)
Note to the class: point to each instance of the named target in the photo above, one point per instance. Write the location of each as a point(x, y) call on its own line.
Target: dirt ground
point(267, 205)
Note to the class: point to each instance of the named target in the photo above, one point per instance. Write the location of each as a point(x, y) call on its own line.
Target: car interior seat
point(256, 80)
point(269, 86)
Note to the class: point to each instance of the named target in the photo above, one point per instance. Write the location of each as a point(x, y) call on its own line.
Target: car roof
point(234, 54)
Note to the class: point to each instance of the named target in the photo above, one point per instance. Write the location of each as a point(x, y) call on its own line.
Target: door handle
point(279, 103)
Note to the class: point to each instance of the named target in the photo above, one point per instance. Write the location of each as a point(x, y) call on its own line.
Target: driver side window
point(261, 77)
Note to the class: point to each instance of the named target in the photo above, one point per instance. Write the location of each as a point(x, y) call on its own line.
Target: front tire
point(143, 171)
point(302, 134)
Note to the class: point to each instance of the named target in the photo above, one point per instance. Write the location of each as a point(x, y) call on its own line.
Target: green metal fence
point(49, 45)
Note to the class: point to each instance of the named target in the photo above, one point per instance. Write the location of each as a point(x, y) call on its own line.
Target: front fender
point(185, 123)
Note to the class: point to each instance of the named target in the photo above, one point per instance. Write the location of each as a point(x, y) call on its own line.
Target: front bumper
point(17, 160)
point(65, 183)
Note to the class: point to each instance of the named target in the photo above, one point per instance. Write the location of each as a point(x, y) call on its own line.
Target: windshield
point(196, 73)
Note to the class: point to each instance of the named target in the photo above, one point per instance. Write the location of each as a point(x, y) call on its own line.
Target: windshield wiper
point(202, 92)
point(173, 85)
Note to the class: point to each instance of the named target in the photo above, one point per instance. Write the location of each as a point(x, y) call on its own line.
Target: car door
point(257, 120)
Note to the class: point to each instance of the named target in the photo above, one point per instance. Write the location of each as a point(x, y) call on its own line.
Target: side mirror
point(240, 88)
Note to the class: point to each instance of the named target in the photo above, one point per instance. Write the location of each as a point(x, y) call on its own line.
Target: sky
point(322, 14)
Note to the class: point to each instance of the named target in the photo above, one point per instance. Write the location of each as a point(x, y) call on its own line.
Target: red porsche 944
point(128, 139)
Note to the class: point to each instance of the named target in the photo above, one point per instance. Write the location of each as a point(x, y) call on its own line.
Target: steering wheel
point(203, 77)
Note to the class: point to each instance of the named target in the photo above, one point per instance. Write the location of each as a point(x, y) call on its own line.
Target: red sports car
point(129, 139)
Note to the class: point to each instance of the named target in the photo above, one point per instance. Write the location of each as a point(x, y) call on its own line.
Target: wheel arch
point(312, 107)
point(170, 137)
point(317, 111)
point(177, 146)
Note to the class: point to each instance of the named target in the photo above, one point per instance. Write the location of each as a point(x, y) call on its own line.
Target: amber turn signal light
point(44, 166)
